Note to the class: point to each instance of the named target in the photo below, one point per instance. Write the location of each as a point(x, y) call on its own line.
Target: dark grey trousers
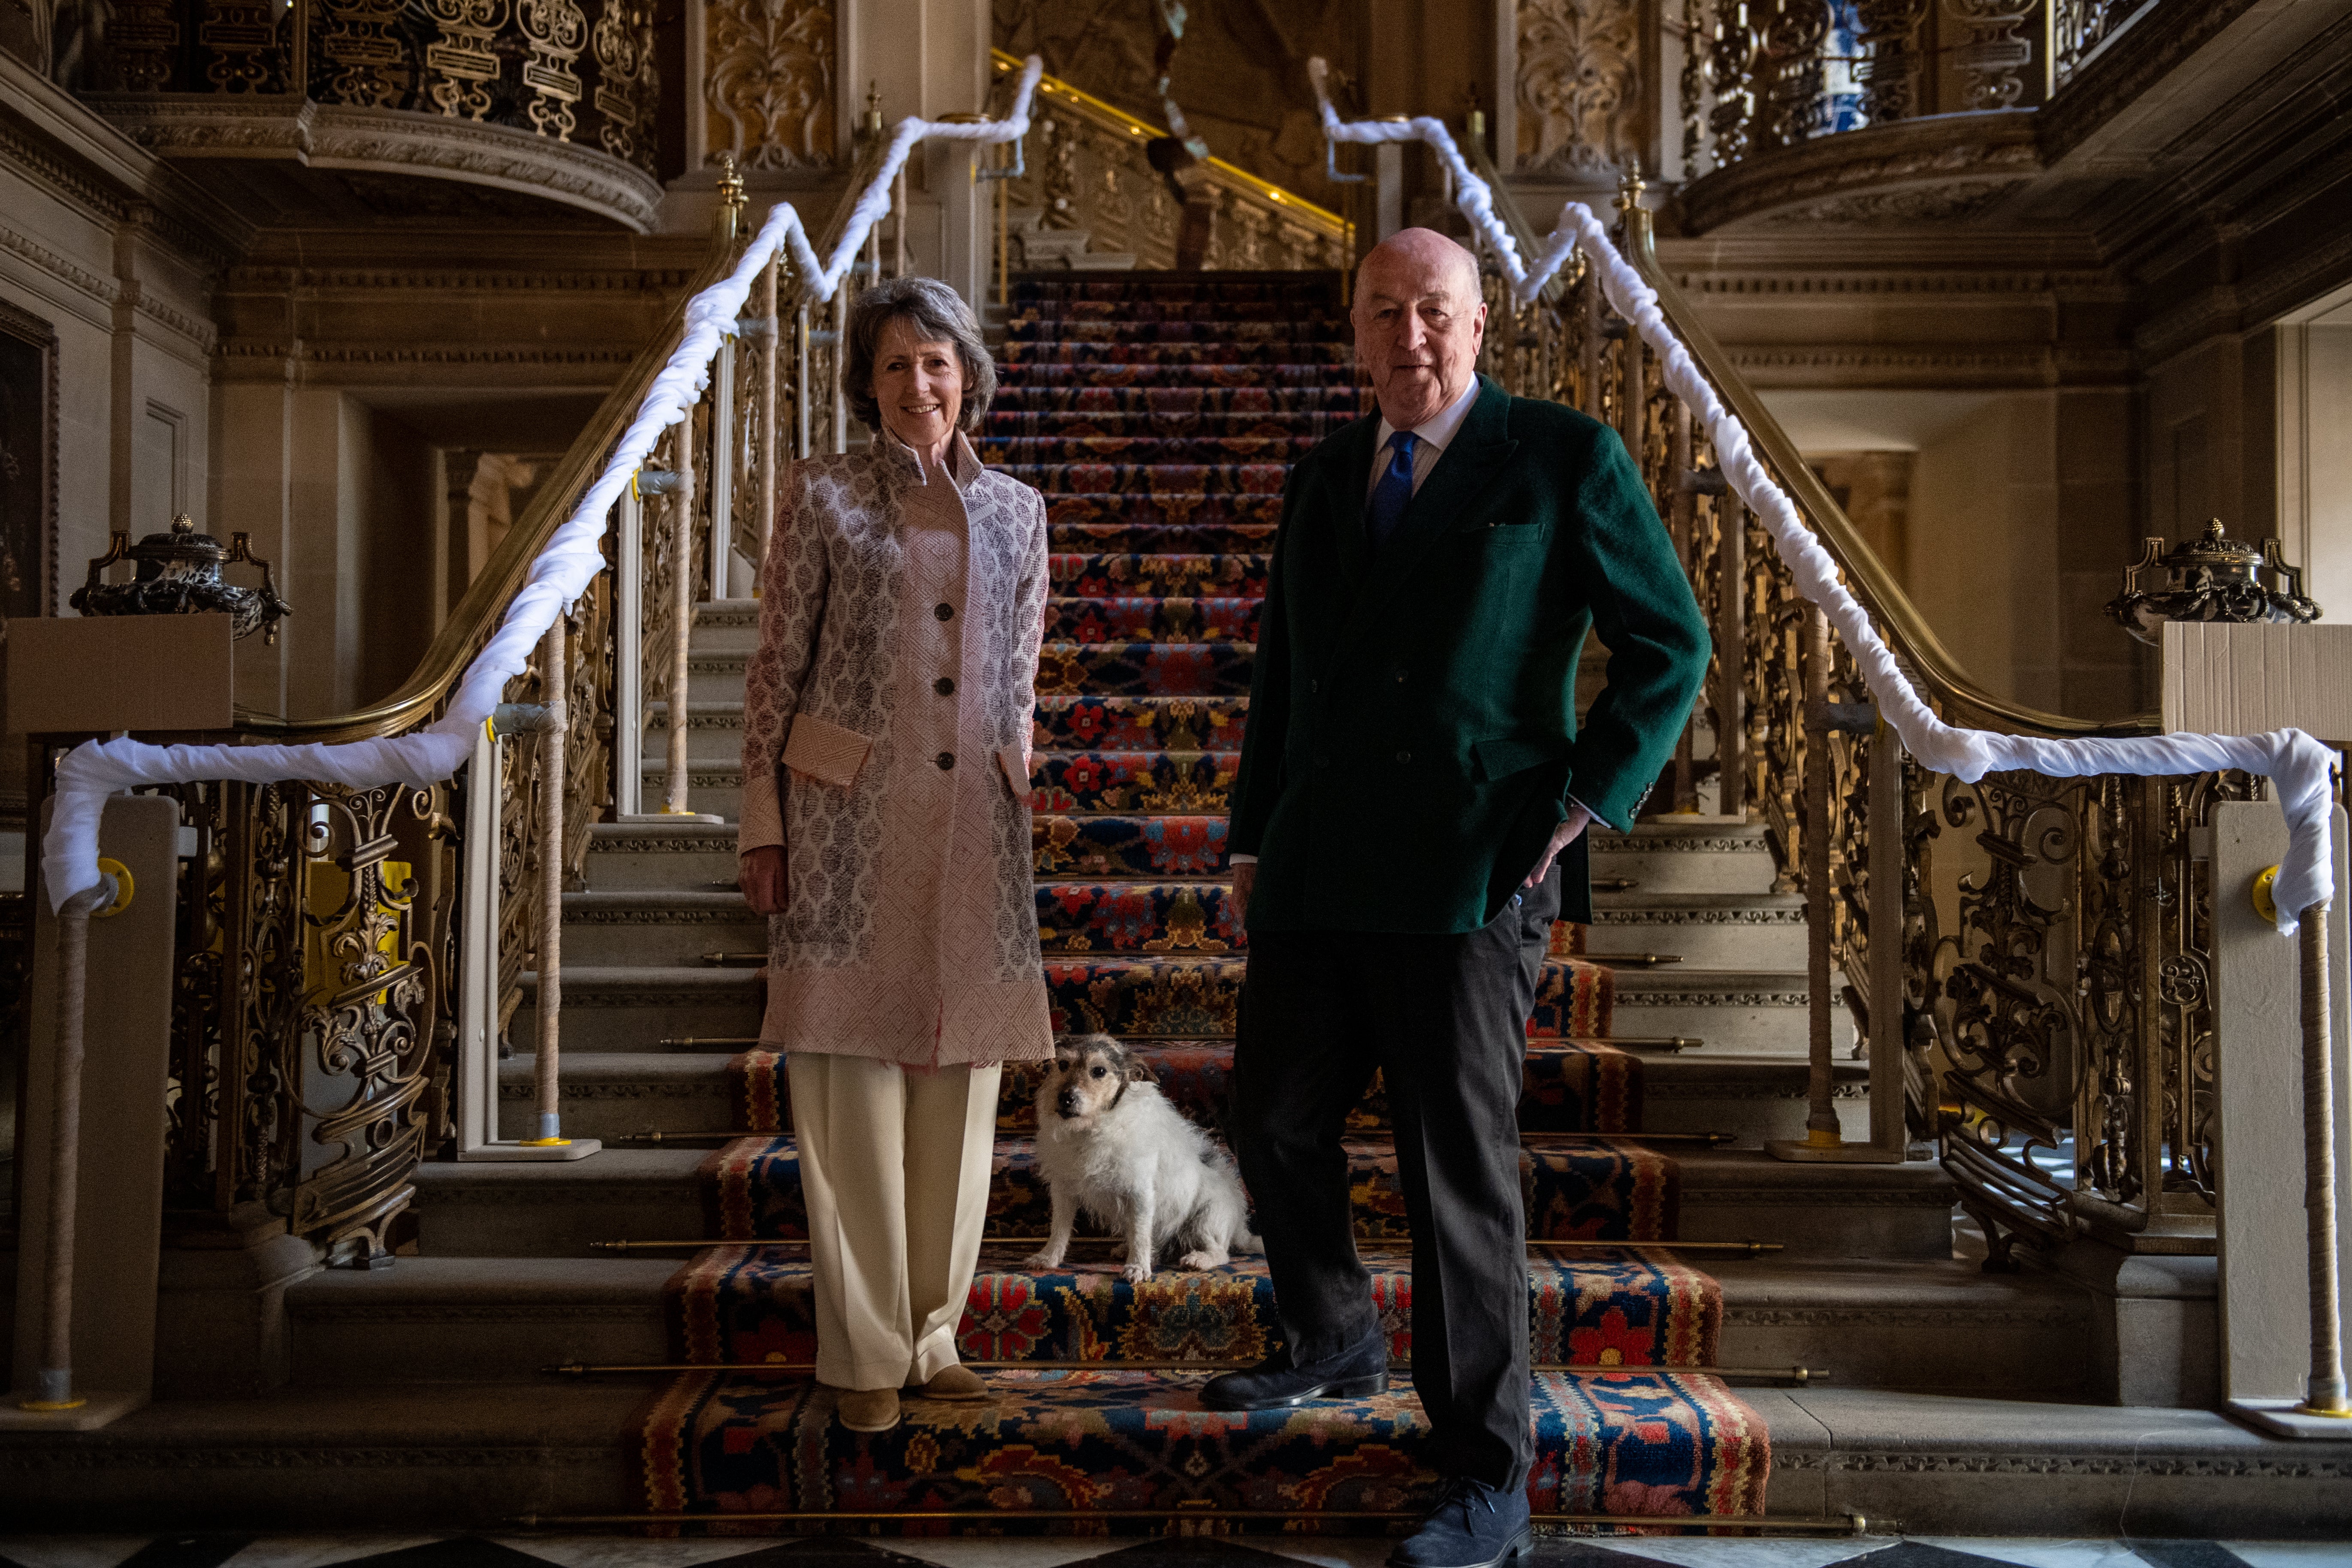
point(1445, 1018)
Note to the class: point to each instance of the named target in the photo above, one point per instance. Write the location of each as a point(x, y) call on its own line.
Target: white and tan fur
point(1109, 1142)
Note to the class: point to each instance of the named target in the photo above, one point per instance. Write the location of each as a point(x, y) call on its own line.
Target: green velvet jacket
point(1412, 734)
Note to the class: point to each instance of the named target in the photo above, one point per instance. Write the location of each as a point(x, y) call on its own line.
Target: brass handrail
point(476, 613)
point(1962, 698)
point(1118, 118)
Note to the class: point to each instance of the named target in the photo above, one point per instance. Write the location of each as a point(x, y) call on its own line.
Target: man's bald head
point(1416, 252)
point(1419, 319)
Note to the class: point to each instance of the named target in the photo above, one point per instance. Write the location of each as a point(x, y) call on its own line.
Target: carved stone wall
point(1578, 87)
point(768, 82)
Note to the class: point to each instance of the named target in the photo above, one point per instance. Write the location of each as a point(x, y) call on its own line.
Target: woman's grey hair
point(938, 314)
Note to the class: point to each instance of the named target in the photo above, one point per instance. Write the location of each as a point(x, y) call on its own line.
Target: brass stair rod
point(709, 1040)
point(1634, 960)
point(1840, 1524)
point(1372, 1243)
point(1796, 1374)
point(1654, 1042)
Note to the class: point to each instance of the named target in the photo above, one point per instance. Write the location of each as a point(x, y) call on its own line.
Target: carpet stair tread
point(1155, 620)
point(1325, 398)
point(1261, 323)
point(1568, 1088)
point(1165, 512)
point(749, 1303)
point(1147, 668)
point(1089, 477)
point(1045, 424)
point(1068, 723)
point(1573, 1188)
point(1242, 573)
point(1163, 450)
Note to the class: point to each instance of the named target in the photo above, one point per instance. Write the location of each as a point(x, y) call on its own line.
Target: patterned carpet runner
point(1159, 413)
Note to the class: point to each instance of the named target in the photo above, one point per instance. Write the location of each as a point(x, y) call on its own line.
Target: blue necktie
point(1392, 495)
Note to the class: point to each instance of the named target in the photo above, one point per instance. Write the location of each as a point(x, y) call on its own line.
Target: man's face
point(1419, 322)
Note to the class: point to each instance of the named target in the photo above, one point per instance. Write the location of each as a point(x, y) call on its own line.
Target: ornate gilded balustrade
point(1087, 169)
point(2047, 1009)
point(321, 928)
point(556, 97)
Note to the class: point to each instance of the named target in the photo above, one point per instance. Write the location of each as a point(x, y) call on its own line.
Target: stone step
point(621, 1007)
point(1757, 1012)
point(548, 1210)
point(476, 1457)
point(658, 926)
point(1712, 931)
point(686, 855)
point(1927, 1325)
point(624, 1096)
point(713, 783)
point(1666, 857)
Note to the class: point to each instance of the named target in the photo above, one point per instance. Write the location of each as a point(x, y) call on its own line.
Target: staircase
point(1157, 413)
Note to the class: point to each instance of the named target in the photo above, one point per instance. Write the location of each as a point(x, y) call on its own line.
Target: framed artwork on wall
point(28, 464)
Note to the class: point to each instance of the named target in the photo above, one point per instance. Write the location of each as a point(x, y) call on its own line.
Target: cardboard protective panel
point(75, 673)
point(2224, 679)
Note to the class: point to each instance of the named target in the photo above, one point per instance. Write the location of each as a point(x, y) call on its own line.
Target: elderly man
point(1406, 827)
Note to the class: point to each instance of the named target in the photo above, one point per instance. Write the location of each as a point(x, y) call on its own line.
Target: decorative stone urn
point(2213, 578)
point(179, 574)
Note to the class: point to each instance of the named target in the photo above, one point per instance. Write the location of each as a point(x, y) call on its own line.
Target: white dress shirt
point(1432, 437)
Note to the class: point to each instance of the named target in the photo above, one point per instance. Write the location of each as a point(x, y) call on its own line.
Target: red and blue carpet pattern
point(749, 1305)
point(1160, 416)
point(1566, 1089)
point(1114, 1441)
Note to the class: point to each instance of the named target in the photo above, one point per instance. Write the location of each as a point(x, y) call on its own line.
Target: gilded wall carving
point(769, 82)
point(1578, 86)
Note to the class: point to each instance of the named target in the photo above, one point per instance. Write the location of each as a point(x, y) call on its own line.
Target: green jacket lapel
point(1470, 461)
point(1346, 455)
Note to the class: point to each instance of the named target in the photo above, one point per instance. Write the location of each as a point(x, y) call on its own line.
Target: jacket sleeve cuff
point(760, 823)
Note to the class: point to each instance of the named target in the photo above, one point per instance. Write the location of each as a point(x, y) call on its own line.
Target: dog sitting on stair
point(1109, 1143)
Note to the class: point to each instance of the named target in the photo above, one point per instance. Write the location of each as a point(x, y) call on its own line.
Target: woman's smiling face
point(918, 385)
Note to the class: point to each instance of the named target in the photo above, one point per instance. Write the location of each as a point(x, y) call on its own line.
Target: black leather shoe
point(1275, 1382)
point(1474, 1525)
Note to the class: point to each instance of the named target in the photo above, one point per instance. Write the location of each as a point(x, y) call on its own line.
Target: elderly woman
point(886, 835)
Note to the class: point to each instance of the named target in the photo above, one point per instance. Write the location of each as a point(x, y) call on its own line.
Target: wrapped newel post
point(92, 1168)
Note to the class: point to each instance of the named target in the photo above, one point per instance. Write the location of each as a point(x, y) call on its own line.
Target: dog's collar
point(1120, 1096)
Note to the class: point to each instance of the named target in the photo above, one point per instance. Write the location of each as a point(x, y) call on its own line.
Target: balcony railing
point(1759, 75)
point(204, 75)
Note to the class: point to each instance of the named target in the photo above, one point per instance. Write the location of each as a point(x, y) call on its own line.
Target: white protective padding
point(2298, 766)
point(559, 574)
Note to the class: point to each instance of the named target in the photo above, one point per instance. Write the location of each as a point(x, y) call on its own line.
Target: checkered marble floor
point(436, 1551)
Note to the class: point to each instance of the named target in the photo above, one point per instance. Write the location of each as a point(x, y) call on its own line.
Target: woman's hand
point(761, 874)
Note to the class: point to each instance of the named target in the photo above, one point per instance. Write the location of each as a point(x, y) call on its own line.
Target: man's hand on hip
point(1245, 878)
point(1579, 819)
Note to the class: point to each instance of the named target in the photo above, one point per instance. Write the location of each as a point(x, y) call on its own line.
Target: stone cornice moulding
point(106, 291)
point(453, 280)
point(1812, 285)
point(1987, 150)
point(2137, 60)
point(66, 145)
point(390, 140)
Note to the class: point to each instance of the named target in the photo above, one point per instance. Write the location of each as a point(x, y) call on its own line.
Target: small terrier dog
point(1109, 1142)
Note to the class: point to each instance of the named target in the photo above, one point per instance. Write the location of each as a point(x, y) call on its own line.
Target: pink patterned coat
point(899, 622)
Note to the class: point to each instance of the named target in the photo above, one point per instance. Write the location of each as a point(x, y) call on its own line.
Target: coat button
point(944, 686)
point(1399, 673)
point(1314, 686)
point(1403, 757)
point(947, 760)
point(945, 612)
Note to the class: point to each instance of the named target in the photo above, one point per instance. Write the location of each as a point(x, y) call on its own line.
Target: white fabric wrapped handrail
point(2297, 766)
point(558, 576)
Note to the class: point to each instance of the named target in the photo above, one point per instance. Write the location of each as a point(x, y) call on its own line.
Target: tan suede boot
point(868, 1409)
point(952, 1382)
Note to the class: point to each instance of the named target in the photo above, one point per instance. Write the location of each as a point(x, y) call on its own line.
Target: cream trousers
point(894, 1170)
